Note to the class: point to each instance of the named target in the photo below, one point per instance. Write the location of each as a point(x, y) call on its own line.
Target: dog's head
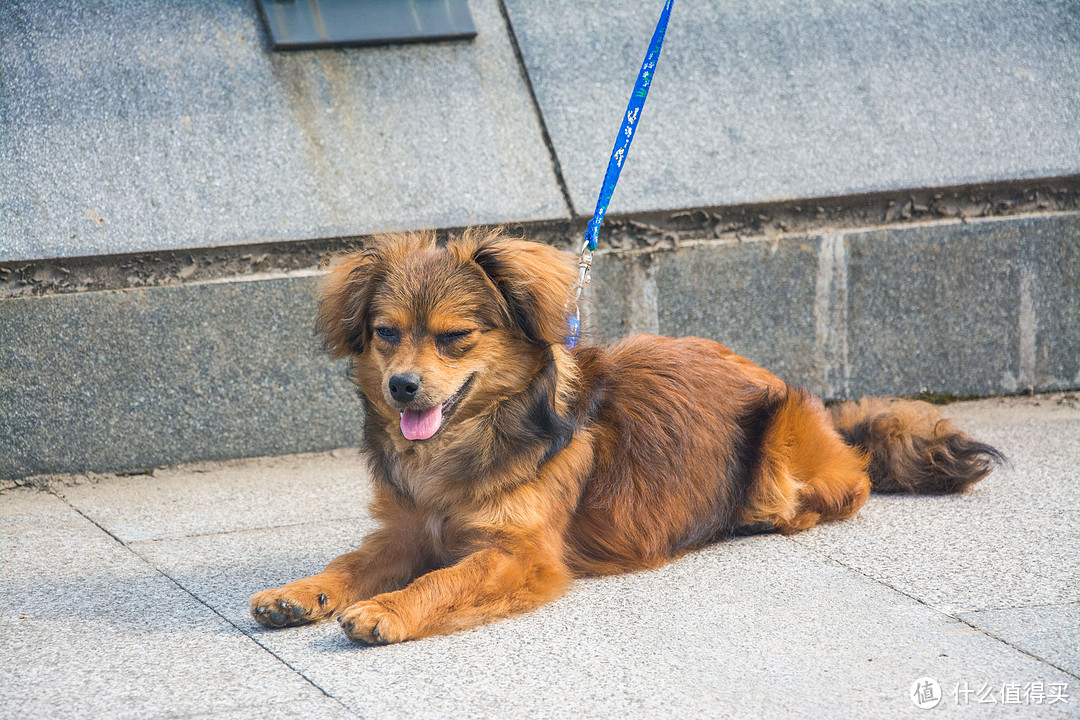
point(437, 333)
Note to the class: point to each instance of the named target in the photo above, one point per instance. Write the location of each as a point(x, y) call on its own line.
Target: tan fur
point(551, 464)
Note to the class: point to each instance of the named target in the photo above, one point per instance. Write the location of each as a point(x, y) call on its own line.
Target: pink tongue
point(421, 424)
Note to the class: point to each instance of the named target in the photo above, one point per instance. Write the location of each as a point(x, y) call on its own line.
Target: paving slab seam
point(236, 531)
point(937, 609)
point(1013, 646)
point(203, 603)
point(548, 143)
point(266, 708)
point(1025, 606)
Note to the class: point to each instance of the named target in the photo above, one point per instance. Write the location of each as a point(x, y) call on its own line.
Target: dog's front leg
point(495, 581)
point(388, 559)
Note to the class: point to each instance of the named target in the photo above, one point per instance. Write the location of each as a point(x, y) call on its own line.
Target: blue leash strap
point(630, 122)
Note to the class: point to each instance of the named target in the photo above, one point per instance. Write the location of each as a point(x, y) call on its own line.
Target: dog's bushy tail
point(912, 448)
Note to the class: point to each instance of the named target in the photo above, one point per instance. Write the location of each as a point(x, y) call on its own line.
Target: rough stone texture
point(826, 624)
point(141, 378)
point(141, 126)
point(981, 308)
point(1008, 542)
point(756, 297)
point(757, 102)
point(325, 709)
point(134, 126)
point(227, 575)
point(88, 629)
point(978, 308)
point(1051, 632)
point(228, 568)
point(200, 499)
point(745, 629)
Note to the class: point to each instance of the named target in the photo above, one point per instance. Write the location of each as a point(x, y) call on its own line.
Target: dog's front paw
point(373, 623)
point(297, 603)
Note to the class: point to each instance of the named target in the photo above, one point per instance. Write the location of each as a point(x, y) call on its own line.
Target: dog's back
point(692, 443)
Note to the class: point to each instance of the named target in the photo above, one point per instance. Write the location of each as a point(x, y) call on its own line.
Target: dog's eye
point(453, 336)
point(388, 334)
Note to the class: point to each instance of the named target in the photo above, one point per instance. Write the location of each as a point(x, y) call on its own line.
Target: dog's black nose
point(403, 387)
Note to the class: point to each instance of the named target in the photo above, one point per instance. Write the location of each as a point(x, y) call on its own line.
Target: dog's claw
point(322, 598)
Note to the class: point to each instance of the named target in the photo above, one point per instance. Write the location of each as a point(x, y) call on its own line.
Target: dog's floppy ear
point(536, 282)
point(343, 317)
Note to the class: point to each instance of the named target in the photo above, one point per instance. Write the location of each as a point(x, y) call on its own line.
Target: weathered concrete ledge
point(144, 126)
point(135, 126)
point(643, 231)
point(121, 380)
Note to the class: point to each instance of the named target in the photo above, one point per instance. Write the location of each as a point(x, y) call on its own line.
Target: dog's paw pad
point(279, 614)
point(275, 608)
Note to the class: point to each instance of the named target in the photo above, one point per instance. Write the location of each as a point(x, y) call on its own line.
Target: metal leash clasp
point(585, 258)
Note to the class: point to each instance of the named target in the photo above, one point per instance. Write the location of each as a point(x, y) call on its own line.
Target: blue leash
point(630, 123)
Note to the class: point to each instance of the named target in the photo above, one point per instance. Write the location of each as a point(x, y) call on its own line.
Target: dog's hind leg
point(807, 472)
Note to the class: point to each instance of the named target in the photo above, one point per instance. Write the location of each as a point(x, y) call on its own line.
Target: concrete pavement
point(126, 597)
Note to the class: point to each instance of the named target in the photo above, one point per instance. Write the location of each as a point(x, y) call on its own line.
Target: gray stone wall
point(121, 380)
point(864, 197)
point(980, 308)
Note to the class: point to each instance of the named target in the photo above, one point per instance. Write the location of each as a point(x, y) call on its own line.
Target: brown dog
point(505, 464)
